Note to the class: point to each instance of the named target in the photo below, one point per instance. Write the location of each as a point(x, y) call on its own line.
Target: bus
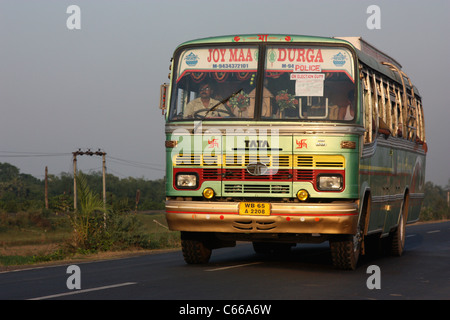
point(279, 140)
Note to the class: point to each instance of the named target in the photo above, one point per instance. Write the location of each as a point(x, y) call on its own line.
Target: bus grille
point(242, 174)
point(249, 225)
point(282, 171)
point(303, 175)
point(317, 161)
point(239, 160)
point(256, 188)
point(243, 160)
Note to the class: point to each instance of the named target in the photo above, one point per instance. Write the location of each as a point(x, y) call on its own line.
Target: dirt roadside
point(80, 258)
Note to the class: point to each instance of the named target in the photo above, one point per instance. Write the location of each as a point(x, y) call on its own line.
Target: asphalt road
point(238, 274)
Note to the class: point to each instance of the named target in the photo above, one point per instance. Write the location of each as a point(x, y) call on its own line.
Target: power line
point(120, 161)
point(135, 164)
point(18, 154)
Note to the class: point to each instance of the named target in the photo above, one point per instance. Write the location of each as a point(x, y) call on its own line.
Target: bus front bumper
point(296, 218)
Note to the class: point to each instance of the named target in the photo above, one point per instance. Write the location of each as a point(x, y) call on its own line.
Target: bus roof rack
point(362, 45)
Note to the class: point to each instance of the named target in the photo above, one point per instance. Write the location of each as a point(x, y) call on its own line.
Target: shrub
point(97, 227)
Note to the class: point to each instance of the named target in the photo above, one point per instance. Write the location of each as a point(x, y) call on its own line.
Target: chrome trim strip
point(392, 142)
point(319, 209)
point(287, 129)
point(293, 218)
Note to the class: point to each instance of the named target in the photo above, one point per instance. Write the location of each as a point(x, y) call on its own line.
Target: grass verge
point(23, 243)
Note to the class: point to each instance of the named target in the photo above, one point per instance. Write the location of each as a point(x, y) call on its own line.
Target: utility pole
point(104, 180)
point(75, 181)
point(138, 195)
point(448, 197)
point(88, 153)
point(104, 188)
point(46, 188)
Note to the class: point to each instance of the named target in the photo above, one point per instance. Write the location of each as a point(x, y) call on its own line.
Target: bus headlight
point(329, 182)
point(187, 180)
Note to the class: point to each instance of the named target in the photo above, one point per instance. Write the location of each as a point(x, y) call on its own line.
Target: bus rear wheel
point(397, 238)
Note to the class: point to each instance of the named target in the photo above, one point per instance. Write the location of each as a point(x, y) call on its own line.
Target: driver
point(204, 101)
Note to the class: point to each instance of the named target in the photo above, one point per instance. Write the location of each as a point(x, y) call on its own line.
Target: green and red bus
point(286, 139)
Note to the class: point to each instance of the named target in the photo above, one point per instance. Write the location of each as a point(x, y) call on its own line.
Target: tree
point(435, 206)
point(88, 220)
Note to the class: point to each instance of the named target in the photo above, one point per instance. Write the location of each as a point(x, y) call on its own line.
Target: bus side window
point(368, 124)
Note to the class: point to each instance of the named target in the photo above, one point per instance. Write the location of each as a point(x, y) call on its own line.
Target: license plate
point(254, 208)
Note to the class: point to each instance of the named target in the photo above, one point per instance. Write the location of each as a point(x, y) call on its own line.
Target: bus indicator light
point(208, 193)
point(348, 145)
point(302, 195)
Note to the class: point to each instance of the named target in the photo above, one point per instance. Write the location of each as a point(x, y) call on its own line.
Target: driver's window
point(216, 96)
point(206, 103)
point(215, 83)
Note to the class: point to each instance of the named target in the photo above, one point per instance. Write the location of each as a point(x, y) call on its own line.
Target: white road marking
point(83, 291)
point(434, 231)
point(235, 266)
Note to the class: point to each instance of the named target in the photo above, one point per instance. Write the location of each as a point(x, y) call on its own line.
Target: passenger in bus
point(347, 110)
point(333, 112)
point(266, 103)
point(205, 102)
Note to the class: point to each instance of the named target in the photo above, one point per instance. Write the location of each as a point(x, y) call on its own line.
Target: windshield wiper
point(216, 105)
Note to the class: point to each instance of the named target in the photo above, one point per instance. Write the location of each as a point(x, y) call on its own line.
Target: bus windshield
point(299, 83)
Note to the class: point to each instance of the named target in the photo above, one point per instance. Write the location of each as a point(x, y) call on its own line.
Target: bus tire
point(346, 249)
point(195, 251)
point(397, 238)
point(345, 252)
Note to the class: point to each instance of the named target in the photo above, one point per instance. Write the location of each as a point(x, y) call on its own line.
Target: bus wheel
point(345, 250)
point(195, 251)
point(397, 238)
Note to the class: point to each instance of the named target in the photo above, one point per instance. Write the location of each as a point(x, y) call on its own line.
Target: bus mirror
point(163, 97)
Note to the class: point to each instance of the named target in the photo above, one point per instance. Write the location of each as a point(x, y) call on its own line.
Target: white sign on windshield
point(308, 84)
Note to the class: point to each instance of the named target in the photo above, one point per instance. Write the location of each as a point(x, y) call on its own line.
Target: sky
point(97, 86)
